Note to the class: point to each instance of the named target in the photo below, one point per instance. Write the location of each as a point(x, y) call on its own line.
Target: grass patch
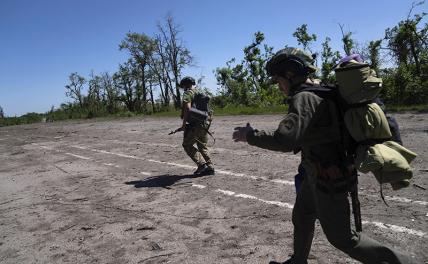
point(247, 110)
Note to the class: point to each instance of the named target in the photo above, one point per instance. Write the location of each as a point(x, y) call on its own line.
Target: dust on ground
point(123, 192)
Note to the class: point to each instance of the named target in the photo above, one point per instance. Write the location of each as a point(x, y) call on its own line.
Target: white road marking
point(199, 186)
point(48, 148)
point(405, 200)
point(397, 199)
point(111, 165)
point(220, 150)
point(145, 173)
point(284, 182)
point(395, 228)
point(246, 196)
point(77, 156)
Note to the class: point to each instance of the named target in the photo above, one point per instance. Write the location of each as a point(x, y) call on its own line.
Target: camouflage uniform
point(196, 134)
point(311, 127)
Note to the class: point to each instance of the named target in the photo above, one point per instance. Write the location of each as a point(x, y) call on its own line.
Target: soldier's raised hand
point(240, 133)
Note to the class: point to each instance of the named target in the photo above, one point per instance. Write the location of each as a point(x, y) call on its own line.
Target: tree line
point(148, 81)
point(400, 58)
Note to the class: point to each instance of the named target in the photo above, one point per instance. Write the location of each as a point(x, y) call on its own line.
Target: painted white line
point(246, 196)
point(405, 200)
point(79, 147)
point(145, 173)
point(398, 199)
point(48, 148)
point(244, 152)
point(77, 156)
point(219, 150)
point(284, 182)
point(199, 186)
point(395, 228)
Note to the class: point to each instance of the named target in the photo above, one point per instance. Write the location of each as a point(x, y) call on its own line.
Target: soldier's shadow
point(164, 181)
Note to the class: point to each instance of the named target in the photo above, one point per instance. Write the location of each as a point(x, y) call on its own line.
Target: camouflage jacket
point(311, 125)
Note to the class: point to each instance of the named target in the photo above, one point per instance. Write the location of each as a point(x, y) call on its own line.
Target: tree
point(304, 38)
point(110, 91)
point(407, 43)
point(74, 89)
point(373, 48)
point(141, 48)
point(329, 59)
point(1, 112)
point(95, 97)
point(246, 83)
point(173, 54)
point(126, 82)
point(347, 40)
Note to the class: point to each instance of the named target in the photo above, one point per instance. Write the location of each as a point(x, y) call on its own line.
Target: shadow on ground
point(163, 181)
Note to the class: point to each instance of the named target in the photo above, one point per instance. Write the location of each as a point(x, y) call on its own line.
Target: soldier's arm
point(291, 129)
point(186, 105)
point(184, 112)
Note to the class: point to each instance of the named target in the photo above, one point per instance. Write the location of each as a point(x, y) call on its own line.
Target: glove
point(240, 133)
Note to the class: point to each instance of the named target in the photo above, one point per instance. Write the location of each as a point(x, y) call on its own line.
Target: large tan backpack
point(367, 124)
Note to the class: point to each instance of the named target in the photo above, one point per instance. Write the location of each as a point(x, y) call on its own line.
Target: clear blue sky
point(43, 41)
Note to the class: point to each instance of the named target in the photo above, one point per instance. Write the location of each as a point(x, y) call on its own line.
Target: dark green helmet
point(187, 80)
point(290, 59)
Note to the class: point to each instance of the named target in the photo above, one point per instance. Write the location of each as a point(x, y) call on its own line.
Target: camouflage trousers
point(333, 212)
point(197, 134)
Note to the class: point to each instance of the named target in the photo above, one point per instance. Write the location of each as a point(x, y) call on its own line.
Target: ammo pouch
point(195, 116)
point(342, 184)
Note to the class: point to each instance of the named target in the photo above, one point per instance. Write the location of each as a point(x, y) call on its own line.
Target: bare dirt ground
point(123, 192)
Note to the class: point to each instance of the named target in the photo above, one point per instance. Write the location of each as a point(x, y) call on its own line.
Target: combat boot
point(289, 261)
point(208, 170)
point(200, 168)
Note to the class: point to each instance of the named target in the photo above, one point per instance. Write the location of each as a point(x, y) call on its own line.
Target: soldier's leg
point(304, 215)
point(334, 216)
point(189, 140)
point(202, 144)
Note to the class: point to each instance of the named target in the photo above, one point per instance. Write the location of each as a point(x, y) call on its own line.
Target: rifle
point(175, 131)
point(356, 210)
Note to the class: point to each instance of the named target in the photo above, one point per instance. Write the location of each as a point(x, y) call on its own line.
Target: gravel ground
point(122, 191)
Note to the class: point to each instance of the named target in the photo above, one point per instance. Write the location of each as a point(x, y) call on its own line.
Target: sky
point(44, 41)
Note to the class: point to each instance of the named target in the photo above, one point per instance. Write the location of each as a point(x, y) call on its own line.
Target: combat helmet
point(187, 80)
point(295, 60)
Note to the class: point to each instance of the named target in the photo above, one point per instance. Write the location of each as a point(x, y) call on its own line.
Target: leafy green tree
point(304, 38)
point(407, 43)
point(1, 112)
point(246, 83)
point(74, 89)
point(111, 92)
point(374, 48)
point(126, 82)
point(141, 48)
point(347, 40)
point(329, 59)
